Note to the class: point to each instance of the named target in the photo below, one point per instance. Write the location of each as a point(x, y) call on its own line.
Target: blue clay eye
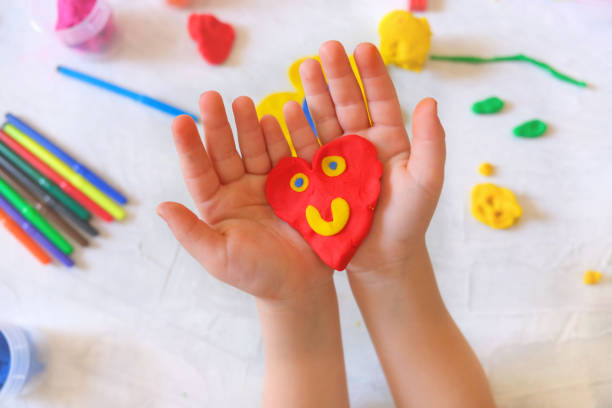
point(333, 166)
point(299, 182)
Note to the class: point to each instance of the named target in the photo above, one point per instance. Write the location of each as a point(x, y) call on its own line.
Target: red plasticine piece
point(417, 5)
point(344, 169)
point(214, 37)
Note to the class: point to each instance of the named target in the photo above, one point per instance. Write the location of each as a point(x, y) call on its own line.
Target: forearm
point(426, 359)
point(304, 363)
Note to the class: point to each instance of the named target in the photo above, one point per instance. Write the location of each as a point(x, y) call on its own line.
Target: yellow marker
point(404, 39)
point(495, 206)
point(62, 169)
point(592, 277)
point(340, 215)
point(486, 169)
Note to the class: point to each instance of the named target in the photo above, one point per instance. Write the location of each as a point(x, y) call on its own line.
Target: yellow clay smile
point(340, 215)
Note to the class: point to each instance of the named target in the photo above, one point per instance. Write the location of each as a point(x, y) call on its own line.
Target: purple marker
point(34, 233)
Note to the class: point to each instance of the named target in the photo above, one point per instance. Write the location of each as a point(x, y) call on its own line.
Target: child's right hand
point(239, 239)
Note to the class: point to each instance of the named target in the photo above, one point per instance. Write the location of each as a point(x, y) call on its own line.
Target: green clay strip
point(487, 106)
point(530, 129)
point(518, 57)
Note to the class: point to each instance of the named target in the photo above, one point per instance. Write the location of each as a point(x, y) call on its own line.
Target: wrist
point(411, 258)
point(300, 302)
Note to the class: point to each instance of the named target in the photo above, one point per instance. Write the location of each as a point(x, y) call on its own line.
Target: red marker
point(56, 178)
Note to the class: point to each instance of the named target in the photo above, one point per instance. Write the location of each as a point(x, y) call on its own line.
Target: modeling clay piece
point(417, 5)
point(215, 38)
point(331, 203)
point(273, 103)
point(404, 39)
point(487, 106)
point(531, 129)
point(495, 206)
point(486, 169)
point(85, 25)
point(71, 12)
point(519, 57)
point(592, 277)
point(308, 116)
point(178, 3)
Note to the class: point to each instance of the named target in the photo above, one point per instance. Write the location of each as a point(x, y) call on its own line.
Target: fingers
point(250, 137)
point(346, 94)
point(319, 101)
point(382, 100)
point(198, 172)
point(303, 138)
point(428, 147)
point(219, 139)
point(275, 140)
point(205, 244)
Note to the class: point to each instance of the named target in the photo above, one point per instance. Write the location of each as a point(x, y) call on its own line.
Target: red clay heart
point(214, 37)
point(331, 203)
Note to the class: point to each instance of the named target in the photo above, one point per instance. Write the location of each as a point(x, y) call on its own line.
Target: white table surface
point(140, 324)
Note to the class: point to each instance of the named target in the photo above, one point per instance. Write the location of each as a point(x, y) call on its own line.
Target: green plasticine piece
point(518, 57)
point(487, 106)
point(530, 129)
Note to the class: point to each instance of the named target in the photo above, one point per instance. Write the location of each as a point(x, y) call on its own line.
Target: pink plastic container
point(83, 25)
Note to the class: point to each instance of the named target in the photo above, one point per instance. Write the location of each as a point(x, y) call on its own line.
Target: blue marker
point(154, 103)
point(66, 158)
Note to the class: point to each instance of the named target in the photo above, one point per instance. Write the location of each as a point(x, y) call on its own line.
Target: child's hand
point(425, 358)
point(239, 239)
point(412, 177)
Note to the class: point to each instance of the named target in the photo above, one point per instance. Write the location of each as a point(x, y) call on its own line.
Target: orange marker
point(22, 237)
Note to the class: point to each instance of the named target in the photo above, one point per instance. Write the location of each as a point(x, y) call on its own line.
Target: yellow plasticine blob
point(592, 277)
point(486, 169)
point(294, 74)
point(404, 39)
point(340, 215)
point(495, 206)
point(273, 105)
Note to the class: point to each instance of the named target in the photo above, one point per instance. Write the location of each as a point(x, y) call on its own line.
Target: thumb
point(205, 244)
point(428, 154)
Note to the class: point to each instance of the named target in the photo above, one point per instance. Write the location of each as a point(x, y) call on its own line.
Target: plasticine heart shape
point(214, 37)
point(331, 203)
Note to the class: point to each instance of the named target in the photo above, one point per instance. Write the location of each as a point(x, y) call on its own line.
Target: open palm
point(239, 238)
point(412, 178)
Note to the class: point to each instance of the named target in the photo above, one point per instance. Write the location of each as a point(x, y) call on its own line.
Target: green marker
point(34, 217)
point(46, 184)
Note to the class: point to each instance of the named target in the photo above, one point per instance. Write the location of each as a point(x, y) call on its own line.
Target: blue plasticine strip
point(154, 103)
point(308, 116)
point(66, 158)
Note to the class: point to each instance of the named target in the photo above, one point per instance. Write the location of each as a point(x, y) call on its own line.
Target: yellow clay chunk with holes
point(495, 206)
